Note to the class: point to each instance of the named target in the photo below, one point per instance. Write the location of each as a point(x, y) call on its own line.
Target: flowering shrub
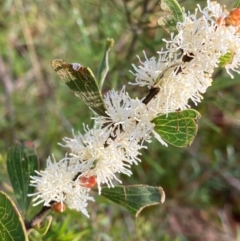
point(180, 73)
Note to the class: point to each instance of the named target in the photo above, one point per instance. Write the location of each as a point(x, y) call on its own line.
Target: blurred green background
point(201, 182)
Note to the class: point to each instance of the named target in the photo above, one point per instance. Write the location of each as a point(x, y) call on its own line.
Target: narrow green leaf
point(21, 163)
point(104, 66)
point(237, 4)
point(135, 198)
point(178, 128)
point(172, 13)
point(11, 223)
point(82, 82)
point(226, 59)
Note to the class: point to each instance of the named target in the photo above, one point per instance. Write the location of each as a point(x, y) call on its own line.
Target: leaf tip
point(163, 196)
point(162, 200)
point(56, 63)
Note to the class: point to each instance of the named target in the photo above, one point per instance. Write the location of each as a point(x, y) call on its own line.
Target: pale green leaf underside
point(178, 128)
point(11, 223)
point(82, 82)
point(134, 198)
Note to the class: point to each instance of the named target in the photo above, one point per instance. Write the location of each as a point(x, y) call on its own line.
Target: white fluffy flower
point(77, 197)
point(126, 115)
point(147, 73)
point(102, 155)
point(196, 48)
point(114, 146)
point(87, 148)
point(56, 184)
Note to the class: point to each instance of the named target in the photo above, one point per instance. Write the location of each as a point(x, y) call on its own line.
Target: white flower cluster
point(97, 156)
point(182, 72)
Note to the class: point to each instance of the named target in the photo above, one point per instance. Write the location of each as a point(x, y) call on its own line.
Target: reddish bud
point(58, 207)
point(232, 19)
point(88, 182)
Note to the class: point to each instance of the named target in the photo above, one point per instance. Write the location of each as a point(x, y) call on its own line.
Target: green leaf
point(226, 59)
point(134, 198)
point(178, 128)
point(104, 67)
point(11, 225)
point(82, 82)
point(237, 4)
point(172, 13)
point(21, 163)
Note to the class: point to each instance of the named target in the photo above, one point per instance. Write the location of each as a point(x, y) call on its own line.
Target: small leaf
point(172, 14)
point(104, 66)
point(21, 163)
point(45, 225)
point(82, 82)
point(134, 198)
point(178, 128)
point(226, 59)
point(11, 224)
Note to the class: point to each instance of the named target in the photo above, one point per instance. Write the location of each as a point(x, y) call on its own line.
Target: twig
point(38, 218)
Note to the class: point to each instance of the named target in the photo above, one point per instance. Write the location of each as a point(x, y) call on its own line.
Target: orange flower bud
point(88, 182)
point(232, 19)
point(58, 207)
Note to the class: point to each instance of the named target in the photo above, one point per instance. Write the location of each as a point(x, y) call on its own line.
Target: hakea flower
point(86, 146)
point(57, 184)
point(192, 55)
point(147, 73)
point(115, 145)
point(130, 116)
point(103, 156)
point(176, 90)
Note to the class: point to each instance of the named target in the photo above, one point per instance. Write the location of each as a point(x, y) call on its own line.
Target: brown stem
point(153, 91)
point(177, 68)
point(38, 218)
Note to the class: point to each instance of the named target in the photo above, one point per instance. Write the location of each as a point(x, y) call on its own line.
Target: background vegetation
point(201, 182)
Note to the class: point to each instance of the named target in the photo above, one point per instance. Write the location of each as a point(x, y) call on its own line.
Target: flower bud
point(88, 182)
point(58, 207)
